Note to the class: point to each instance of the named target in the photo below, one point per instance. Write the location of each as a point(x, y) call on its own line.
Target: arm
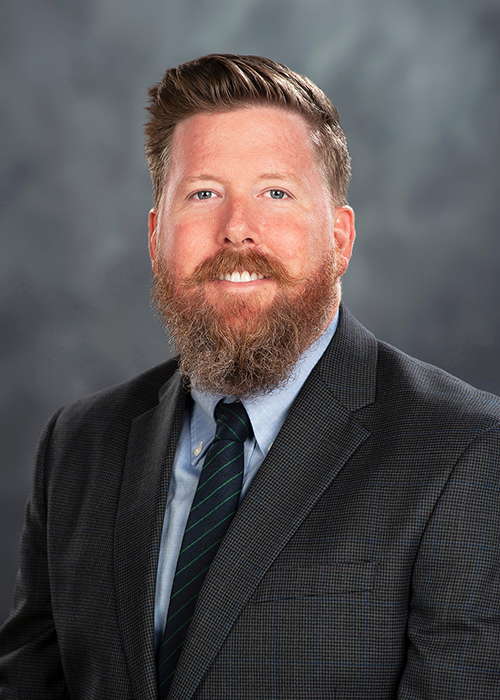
point(30, 665)
point(454, 620)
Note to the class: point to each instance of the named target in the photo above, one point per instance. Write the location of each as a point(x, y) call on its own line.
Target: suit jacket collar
point(349, 366)
point(151, 448)
point(317, 438)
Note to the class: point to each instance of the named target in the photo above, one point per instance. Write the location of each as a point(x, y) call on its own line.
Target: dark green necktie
point(214, 504)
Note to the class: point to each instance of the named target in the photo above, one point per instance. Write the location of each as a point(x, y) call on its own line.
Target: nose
point(239, 227)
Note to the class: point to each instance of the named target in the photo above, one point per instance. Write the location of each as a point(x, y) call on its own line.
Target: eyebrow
point(196, 178)
point(280, 176)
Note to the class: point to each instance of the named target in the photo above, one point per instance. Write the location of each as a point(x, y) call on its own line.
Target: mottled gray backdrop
point(417, 86)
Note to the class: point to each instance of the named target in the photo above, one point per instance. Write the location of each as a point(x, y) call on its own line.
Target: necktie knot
point(232, 421)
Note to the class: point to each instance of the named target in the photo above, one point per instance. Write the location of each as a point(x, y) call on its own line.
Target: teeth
point(245, 276)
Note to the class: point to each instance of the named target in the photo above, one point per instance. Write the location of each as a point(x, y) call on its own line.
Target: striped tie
point(214, 504)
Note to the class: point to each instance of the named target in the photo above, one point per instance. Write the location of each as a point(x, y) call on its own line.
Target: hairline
point(314, 132)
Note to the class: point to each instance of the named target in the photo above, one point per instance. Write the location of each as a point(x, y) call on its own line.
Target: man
point(360, 557)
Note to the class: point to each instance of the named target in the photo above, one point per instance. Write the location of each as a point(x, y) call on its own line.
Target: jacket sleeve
point(454, 618)
point(30, 664)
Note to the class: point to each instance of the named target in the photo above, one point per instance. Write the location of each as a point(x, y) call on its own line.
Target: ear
point(152, 238)
point(344, 233)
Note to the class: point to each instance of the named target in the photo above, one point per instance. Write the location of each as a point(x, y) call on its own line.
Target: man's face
point(246, 221)
point(246, 180)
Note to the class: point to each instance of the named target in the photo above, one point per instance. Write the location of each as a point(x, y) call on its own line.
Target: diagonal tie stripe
point(231, 478)
point(213, 507)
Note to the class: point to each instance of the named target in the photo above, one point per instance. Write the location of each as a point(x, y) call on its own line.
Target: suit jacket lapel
point(318, 436)
point(141, 509)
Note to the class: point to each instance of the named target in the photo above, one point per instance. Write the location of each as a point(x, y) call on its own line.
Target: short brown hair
point(221, 82)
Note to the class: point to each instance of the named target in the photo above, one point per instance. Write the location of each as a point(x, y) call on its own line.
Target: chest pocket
point(332, 580)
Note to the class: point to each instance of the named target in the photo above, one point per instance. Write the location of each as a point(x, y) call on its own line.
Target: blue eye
point(277, 194)
point(204, 194)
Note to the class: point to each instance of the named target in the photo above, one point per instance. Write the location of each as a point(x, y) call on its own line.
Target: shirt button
point(197, 449)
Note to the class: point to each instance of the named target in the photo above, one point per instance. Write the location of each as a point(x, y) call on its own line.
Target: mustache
point(226, 261)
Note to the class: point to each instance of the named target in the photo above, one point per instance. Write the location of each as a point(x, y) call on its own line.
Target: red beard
point(244, 345)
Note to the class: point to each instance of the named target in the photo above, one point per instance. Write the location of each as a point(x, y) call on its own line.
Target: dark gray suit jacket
point(364, 561)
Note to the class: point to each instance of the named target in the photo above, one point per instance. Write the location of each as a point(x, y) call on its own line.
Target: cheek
point(300, 246)
point(183, 248)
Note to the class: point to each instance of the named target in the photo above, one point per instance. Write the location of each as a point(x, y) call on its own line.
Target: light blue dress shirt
point(267, 414)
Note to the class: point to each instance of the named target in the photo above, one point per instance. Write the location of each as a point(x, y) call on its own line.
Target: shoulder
point(115, 407)
point(85, 444)
point(374, 377)
point(410, 384)
point(420, 419)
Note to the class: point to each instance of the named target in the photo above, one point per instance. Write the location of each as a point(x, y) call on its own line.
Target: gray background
point(417, 86)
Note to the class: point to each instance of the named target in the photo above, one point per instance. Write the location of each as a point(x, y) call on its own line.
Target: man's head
point(221, 82)
point(247, 245)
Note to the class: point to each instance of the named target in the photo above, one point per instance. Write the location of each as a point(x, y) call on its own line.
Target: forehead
point(247, 134)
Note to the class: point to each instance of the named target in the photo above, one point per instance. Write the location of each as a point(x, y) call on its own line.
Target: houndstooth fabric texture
point(364, 561)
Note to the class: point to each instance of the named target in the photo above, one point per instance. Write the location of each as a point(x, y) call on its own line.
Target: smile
point(241, 277)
